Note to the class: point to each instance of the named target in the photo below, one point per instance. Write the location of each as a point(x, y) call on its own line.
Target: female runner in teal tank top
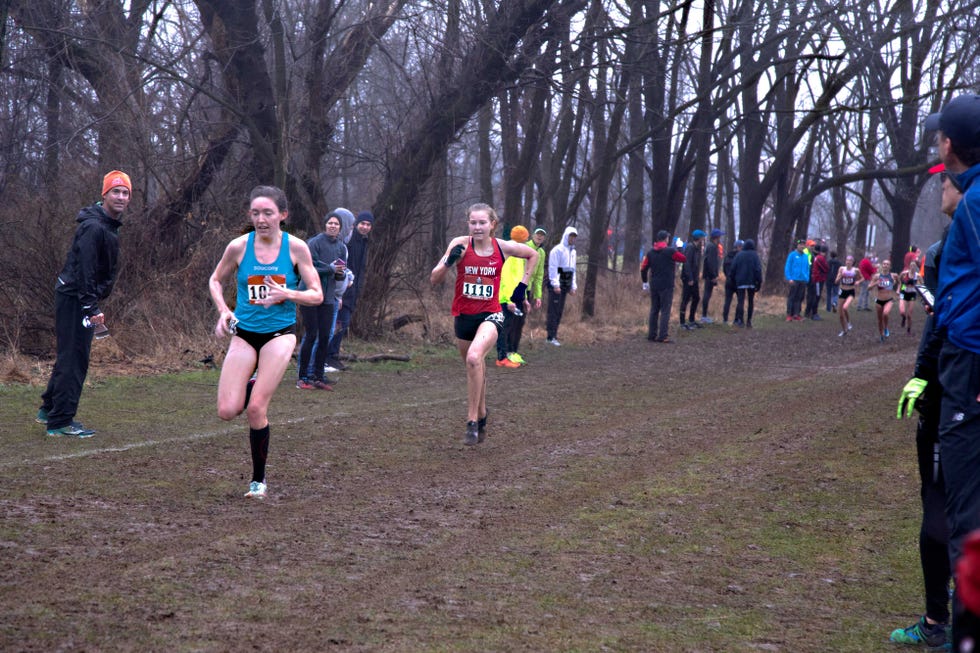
point(267, 264)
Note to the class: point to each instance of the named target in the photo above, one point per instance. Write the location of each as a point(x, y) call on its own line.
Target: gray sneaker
point(42, 416)
point(472, 435)
point(73, 430)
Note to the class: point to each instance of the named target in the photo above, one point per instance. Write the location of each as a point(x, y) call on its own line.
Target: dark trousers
point(959, 437)
point(64, 390)
point(794, 300)
point(709, 287)
point(832, 291)
point(340, 330)
point(740, 312)
point(514, 338)
point(317, 322)
point(812, 298)
point(660, 301)
point(689, 293)
point(934, 532)
point(729, 294)
point(507, 337)
point(556, 307)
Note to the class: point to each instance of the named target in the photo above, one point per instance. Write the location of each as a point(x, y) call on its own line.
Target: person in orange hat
point(85, 280)
point(514, 314)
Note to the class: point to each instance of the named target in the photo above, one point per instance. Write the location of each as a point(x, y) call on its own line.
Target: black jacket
point(692, 268)
point(747, 268)
point(90, 269)
point(659, 266)
point(356, 263)
point(711, 261)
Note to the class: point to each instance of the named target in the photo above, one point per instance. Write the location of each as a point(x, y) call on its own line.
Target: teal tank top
point(251, 286)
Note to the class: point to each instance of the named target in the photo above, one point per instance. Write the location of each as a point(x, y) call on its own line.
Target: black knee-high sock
point(259, 441)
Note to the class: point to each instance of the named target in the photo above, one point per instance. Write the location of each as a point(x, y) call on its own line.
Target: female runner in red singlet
point(478, 259)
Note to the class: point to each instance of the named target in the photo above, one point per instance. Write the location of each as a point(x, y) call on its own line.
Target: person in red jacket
point(868, 270)
point(818, 279)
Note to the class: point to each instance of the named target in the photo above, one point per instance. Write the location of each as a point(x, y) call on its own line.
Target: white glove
point(646, 287)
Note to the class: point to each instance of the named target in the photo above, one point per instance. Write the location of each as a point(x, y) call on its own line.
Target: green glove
point(912, 391)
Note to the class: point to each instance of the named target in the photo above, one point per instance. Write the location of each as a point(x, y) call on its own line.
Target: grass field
point(736, 491)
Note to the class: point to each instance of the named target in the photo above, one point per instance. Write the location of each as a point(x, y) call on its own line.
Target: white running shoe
point(849, 327)
point(554, 341)
point(256, 490)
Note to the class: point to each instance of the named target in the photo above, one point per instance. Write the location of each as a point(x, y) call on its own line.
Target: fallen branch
point(404, 358)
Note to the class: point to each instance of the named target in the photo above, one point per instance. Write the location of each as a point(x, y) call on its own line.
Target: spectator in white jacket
point(561, 279)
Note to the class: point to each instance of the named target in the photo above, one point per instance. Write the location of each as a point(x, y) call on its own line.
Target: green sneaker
point(73, 430)
point(921, 633)
point(42, 416)
point(516, 358)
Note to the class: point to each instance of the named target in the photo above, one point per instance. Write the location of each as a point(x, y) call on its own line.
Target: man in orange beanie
point(85, 280)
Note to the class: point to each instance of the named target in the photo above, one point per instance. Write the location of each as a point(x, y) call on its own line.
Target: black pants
point(794, 300)
point(740, 312)
point(709, 287)
point(64, 390)
point(340, 330)
point(660, 301)
point(556, 307)
point(729, 293)
point(959, 437)
point(317, 322)
point(934, 532)
point(505, 341)
point(689, 293)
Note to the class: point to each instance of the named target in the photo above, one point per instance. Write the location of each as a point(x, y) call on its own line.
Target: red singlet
point(478, 281)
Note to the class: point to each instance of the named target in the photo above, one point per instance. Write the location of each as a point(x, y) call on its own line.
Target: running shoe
point(42, 416)
point(921, 633)
point(789, 318)
point(842, 333)
point(666, 341)
point(554, 341)
point(73, 430)
point(336, 365)
point(320, 384)
point(517, 358)
point(304, 384)
point(797, 318)
point(849, 326)
point(707, 320)
point(256, 490)
point(506, 362)
point(327, 369)
point(816, 316)
point(481, 427)
point(887, 333)
point(472, 435)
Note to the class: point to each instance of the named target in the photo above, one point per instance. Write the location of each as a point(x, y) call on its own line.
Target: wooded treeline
point(765, 119)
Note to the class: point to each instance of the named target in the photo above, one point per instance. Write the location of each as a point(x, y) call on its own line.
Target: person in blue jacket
point(957, 311)
point(797, 274)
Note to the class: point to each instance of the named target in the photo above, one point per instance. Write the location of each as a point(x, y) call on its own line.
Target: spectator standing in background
point(833, 267)
point(797, 275)
point(711, 268)
point(562, 280)
point(729, 281)
point(658, 273)
point(690, 279)
point(87, 278)
point(357, 252)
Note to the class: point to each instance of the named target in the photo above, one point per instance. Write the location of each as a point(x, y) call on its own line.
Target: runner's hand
point(912, 391)
point(519, 294)
point(454, 255)
point(646, 287)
